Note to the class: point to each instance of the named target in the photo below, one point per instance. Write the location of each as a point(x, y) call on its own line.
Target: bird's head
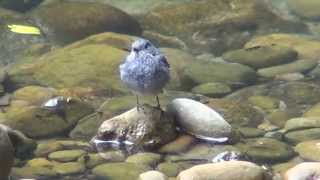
point(143, 45)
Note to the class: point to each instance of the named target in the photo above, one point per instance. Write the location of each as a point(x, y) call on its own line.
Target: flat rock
point(154, 175)
point(228, 170)
point(266, 150)
point(261, 56)
point(66, 155)
point(298, 136)
point(117, 171)
point(299, 66)
point(199, 120)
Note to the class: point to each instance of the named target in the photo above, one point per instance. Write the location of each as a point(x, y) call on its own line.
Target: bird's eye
point(147, 45)
point(135, 49)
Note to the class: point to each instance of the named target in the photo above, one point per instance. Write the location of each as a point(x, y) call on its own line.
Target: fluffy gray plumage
point(145, 70)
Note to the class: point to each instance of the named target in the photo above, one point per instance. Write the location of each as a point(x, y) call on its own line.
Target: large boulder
point(70, 21)
point(93, 62)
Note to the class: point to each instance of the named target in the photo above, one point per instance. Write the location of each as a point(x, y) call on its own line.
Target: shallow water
point(253, 62)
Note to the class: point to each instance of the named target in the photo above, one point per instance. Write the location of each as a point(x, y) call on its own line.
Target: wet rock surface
point(147, 128)
point(81, 20)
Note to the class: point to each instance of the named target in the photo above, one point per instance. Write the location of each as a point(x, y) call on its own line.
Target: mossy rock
point(264, 102)
point(237, 114)
point(61, 21)
point(298, 136)
point(307, 9)
point(93, 62)
point(299, 66)
point(266, 150)
point(69, 168)
point(34, 172)
point(66, 155)
point(36, 121)
point(148, 159)
point(35, 95)
point(116, 171)
point(229, 73)
point(212, 89)
point(261, 56)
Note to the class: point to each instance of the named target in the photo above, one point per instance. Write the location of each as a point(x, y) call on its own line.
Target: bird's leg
point(158, 102)
point(137, 102)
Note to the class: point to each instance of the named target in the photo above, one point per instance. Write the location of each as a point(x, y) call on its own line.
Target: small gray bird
point(145, 70)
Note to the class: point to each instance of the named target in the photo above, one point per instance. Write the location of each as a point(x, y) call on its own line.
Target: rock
point(154, 175)
point(298, 136)
point(7, 153)
point(69, 168)
point(34, 95)
point(309, 150)
point(115, 171)
point(199, 120)
point(306, 9)
point(307, 48)
point(141, 7)
point(38, 121)
point(231, 74)
point(261, 56)
point(86, 127)
point(40, 162)
point(171, 169)
point(147, 159)
point(14, 45)
point(200, 24)
point(303, 171)
point(201, 153)
point(179, 60)
point(34, 172)
point(66, 155)
point(296, 76)
point(180, 144)
point(248, 132)
point(299, 66)
point(92, 160)
point(47, 147)
point(266, 150)
point(18, 5)
point(228, 170)
point(281, 168)
point(212, 89)
point(313, 111)
point(302, 123)
point(68, 29)
point(82, 61)
point(237, 113)
point(266, 103)
point(295, 97)
point(147, 128)
point(278, 118)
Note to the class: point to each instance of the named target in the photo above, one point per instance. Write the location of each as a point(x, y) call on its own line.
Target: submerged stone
point(117, 171)
point(261, 56)
point(266, 150)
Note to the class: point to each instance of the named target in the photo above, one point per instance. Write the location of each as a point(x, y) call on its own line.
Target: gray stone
point(199, 120)
point(154, 175)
